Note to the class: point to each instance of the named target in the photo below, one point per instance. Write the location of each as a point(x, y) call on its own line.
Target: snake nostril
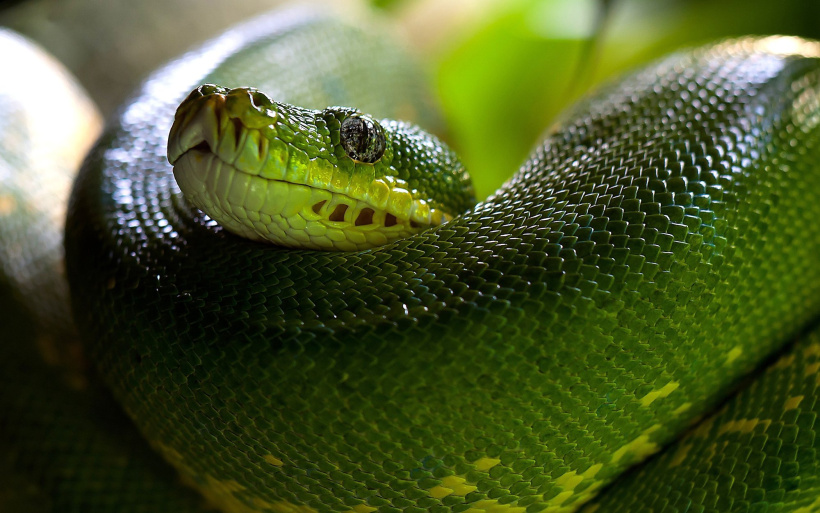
point(260, 99)
point(365, 217)
point(338, 213)
point(203, 147)
point(390, 220)
point(318, 206)
point(413, 224)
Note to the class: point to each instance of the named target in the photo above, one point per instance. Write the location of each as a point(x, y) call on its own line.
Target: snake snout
point(222, 119)
point(196, 124)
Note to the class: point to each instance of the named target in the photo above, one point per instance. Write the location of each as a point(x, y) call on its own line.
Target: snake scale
point(658, 246)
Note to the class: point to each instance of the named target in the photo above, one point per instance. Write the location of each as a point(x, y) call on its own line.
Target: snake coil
point(654, 249)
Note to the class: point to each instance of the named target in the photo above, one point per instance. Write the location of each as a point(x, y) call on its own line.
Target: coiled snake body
point(655, 248)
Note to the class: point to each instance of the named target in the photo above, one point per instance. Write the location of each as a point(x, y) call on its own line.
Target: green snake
point(658, 245)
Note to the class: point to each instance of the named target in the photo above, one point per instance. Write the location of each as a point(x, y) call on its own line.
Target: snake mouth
point(239, 172)
point(288, 214)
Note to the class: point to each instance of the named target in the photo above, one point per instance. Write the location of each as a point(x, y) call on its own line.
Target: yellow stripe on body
point(659, 394)
point(362, 508)
point(639, 447)
point(680, 455)
point(733, 354)
point(273, 460)
point(743, 426)
point(493, 506)
point(792, 402)
point(811, 368)
point(682, 408)
point(814, 507)
point(784, 362)
point(811, 350)
point(569, 481)
point(485, 464)
point(455, 485)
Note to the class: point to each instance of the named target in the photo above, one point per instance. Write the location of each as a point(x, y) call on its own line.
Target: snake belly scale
point(655, 248)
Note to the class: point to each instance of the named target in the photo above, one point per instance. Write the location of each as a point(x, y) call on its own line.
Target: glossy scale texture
point(656, 247)
point(757, 454)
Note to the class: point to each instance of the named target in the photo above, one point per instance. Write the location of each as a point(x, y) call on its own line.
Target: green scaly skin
point(654, 249)
point(758, 453)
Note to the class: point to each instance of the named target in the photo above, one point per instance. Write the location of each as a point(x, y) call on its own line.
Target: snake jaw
point(236, 160)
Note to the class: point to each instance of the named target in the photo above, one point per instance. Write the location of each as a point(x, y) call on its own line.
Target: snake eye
point(362, 138)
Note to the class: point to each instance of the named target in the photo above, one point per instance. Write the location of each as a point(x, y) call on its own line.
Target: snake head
point(318, 179)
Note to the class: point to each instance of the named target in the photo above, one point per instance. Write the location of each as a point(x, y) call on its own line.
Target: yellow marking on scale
point(493, 506)
point(658, 394)
point(458, 485)
point(811, 508)
point(592, 471)
point(561, 503)
point(812, 368)
point(361, 508)
point(640, 447)
point(682, 408)
point(812, 350)
point(172, 455)
point(222, 494)
point(455, 485)
point(286, 507)
point(485, 464)
point(792, 402)
point(439, 492)
point(558, 500)
point(680, 455)
point(273, 460)
point(743, 426)
point(702, 430)
point(717, 448)
point(583, 497)
point(569, 480)
point(733, 355)
point(784, 362)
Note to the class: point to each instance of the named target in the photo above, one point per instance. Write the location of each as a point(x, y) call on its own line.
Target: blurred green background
point(503, 69)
